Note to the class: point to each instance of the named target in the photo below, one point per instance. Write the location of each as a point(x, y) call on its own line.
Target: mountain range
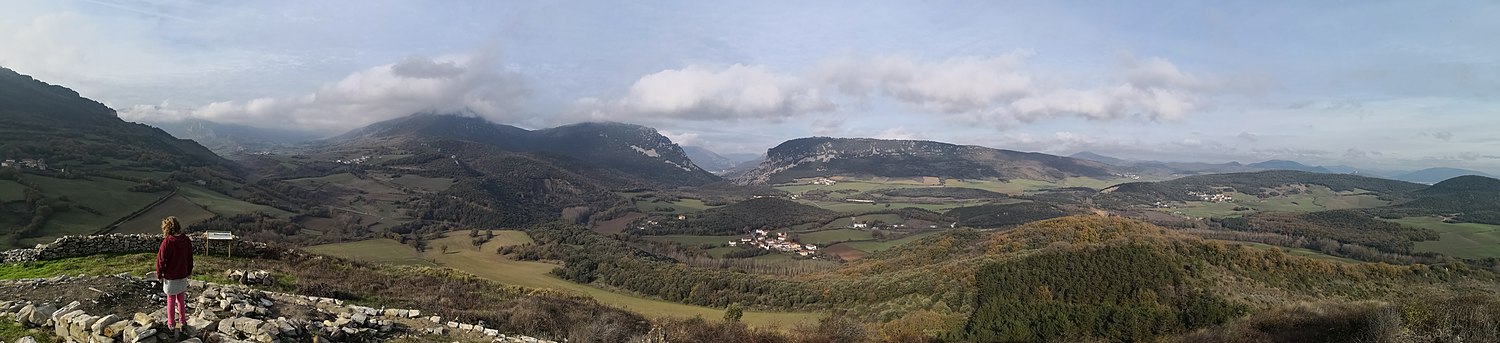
point(824, 156)
point(1427, 176)
point(631, 149)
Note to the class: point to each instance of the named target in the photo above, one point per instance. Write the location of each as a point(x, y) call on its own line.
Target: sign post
point(225, 236)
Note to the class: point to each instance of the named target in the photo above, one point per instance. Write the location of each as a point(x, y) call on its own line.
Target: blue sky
point(1396, 85)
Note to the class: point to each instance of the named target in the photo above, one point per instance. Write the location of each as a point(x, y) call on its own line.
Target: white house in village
point(861, 225)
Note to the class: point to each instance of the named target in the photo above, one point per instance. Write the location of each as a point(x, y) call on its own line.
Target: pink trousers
point(177, 309)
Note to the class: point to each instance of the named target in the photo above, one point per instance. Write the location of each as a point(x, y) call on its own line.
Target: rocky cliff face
point(822, 156)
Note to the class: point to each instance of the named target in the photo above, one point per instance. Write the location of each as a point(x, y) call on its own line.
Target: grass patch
point(1463, 240)
point(10, 331)
point(693, 239)
point(830, 236)
point(380, 250)
point(876, 246)
point(186, 212)
point(111, 197)
point(720, 251)
point(11, 191)
point(483, 261)
point(1304, 252)
point(225, 205)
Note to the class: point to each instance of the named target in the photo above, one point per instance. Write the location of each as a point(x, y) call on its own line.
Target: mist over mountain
point(226, 139)
point(708, 160)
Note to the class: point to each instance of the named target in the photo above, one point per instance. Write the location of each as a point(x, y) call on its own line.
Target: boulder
point(199, 324)
point(99, 325)
point(117, 329)
point(142, 319)
point(248, 325)
point(40, 313)
point(23, 315)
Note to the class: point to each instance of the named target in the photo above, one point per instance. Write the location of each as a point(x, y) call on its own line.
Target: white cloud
point(703, 93)
point(997, 90)
point(900, 133)
point(461, 83)
point(955, 85)
point(682, 139)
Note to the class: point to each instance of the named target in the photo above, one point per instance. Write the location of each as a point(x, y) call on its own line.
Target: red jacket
point(174, 260)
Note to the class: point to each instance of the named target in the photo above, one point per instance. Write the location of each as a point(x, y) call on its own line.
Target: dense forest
point(1128, 293)
point(741, 217)
point(1346, 226)
point(1001, 215)
point(1473, 199)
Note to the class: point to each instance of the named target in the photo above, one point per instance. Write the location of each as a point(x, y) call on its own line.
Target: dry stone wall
point(115, 243)
point(236, 313)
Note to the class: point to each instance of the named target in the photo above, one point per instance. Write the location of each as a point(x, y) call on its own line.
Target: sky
point(1371, 84)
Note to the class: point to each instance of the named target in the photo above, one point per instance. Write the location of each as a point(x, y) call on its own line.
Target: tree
point(734, 312)
point(444, 247)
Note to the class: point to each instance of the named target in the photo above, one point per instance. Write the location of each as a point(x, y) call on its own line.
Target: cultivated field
point(380, 250)
point(616, 225)
point(823, 238)
point(111, 197)
point(849, 221)
point(855, 207)
point(484, 262)
point(1465, 240)
point(225, 205)
point(187, 213)
point(1316, 198)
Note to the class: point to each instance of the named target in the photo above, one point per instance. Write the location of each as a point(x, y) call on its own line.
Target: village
point(1216, 197)
point(774, 241)
point(27, 163)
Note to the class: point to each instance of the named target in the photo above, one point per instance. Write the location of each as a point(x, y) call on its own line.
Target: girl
point(174, 263)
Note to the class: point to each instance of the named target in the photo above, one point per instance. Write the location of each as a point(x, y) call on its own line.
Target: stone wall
point(236, 313)
point(115, 243)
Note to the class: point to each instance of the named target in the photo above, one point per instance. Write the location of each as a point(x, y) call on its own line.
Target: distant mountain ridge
point(225, 139)
point(708, 159)
point(636, 150)
point(1287, 165)
point(825, 156)
point(1435, 175)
